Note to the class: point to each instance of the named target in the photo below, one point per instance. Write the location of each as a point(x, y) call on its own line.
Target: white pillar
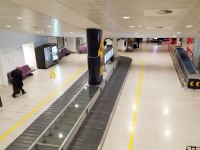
point(71, 44)
point(29, 55)
point(196, 53)
point(115, 47)
point(3, 75)
point(184, 43)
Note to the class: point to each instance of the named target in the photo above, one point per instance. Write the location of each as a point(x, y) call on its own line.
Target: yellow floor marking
point(131, 140)
point(41, 104)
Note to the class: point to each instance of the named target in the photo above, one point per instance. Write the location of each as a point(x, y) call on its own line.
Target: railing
point(173, 54)
point(192, 148)
point(186, 64)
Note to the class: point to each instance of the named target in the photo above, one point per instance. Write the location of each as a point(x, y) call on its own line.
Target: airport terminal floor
point(154, 112)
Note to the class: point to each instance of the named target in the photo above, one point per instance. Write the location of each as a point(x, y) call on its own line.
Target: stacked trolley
point(192, 148)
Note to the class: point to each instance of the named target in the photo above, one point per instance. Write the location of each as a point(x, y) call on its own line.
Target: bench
point(65, 51)
point(82, 49)
point(26, 72)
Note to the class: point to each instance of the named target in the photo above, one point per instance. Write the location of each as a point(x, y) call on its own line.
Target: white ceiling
point(65, 16)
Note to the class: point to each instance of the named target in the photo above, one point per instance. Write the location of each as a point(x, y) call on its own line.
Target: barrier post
point(1, 105)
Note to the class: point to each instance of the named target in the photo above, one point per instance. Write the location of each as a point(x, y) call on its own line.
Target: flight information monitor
point(108, 56)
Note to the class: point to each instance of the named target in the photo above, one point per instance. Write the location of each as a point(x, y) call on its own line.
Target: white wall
point(2, 77)
point(11, 49)
point(121, 45)
point(71, 44)
point(144, 39)
point(109, 42)
point(52, 39)
point(29, 55)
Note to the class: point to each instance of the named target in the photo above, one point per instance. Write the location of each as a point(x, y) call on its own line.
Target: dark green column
point(95, 56)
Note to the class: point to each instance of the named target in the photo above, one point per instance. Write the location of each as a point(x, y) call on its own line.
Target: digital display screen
point(54, 49)
point(108, 55)
point(54, 52)
point(47, 54)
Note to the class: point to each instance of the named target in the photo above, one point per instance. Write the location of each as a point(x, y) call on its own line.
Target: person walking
point(17, 82)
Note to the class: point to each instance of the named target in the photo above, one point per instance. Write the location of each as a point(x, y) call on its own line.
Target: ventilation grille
point(164, 12)
point(159, 27)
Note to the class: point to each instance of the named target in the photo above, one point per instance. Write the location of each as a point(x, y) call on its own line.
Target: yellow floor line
point(131, 140)
point(41, 104)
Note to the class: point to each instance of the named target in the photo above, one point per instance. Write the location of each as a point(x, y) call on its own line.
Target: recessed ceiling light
point(131, 26)
point(189, 26)
point(126, 17)
point(8, 26)
point(49, 26)
point(140, 26)
point(178, 32)
point(60, 135)
point(71, 32)
point(20, 18)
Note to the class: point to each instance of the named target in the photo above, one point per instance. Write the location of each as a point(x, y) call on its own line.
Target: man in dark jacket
point(17, 82)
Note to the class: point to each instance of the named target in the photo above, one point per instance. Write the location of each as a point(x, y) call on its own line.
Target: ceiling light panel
point(189, 26)
point(173, 4)
point(126, 17)
point(30, 19)
point(19, 18)
point(98, 11)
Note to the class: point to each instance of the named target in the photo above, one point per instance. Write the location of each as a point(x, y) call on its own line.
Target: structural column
point(196, 53)
point(3, 76)
point(95, 56)
point(115, 47)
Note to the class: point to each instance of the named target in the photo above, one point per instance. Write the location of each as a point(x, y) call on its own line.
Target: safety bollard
point(1, 105)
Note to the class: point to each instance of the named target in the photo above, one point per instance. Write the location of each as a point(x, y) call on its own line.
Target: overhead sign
point(193, 84)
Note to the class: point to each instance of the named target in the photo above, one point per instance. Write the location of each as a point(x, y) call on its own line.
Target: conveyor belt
point(28, 137)
point(91, 132)
point(186, 61)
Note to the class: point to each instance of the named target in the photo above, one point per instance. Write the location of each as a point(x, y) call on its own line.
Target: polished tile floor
point(38, 87)
point(167, 116)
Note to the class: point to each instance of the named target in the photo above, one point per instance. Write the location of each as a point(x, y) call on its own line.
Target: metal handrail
point(184, 69)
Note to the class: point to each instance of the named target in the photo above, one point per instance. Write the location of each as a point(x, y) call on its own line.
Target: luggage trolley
point(192, 148)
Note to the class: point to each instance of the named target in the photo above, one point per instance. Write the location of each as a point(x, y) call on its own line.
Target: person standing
point(17, 82)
